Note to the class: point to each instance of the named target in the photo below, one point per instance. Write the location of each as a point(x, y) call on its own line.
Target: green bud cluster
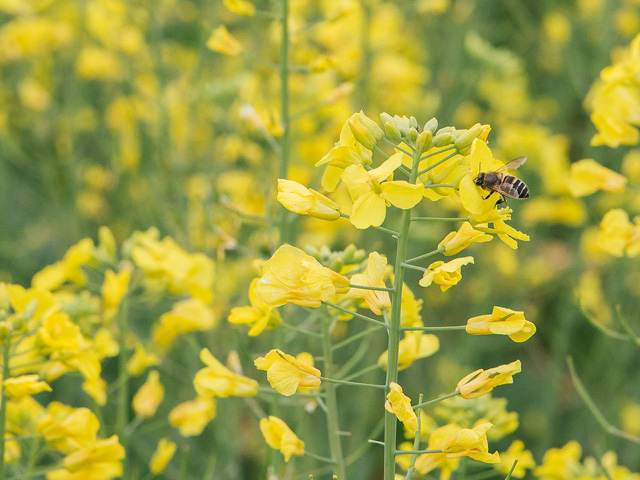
point(337, 260)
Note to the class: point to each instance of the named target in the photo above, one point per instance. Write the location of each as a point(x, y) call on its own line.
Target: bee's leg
point(492, 192)
point(503, 199)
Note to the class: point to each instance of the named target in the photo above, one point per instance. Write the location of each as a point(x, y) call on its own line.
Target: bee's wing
point(508, 189)
point(513, 164)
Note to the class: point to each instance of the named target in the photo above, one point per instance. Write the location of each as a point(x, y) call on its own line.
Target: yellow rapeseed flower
point(306, 201)
point(141, 360)
point(617, 235)
point(502, 321)
point(455, 242)
point(515, 452)
point(148, 398)
point(68, 429)
point(292, 276)
point(470, 442)
point(286, 373)
point(588, 176)
point(191, 417)
point(373, 276)
point(259, 316)
point(215, 380)
point(24, 385)
point(414, 346)
point(445, 274)
point(162, 456)
point(428, 462)
point(400, 405)
point(222, 41)
point(481, 381)
point(100, 460)
point(473, 196)
point(560, 462)
point(241, 7)
point(69, 269)
point(114, 289)
point(371, 193)
point(279, 436)
point(186, 316)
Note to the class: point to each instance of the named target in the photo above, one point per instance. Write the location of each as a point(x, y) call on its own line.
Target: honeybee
point(507, 186)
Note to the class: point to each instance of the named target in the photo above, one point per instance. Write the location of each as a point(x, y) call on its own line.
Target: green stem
point(433, 154)
point(378, 289)
point(6, 346)
point(122, 414)
point(436, 400)
point(437, 185)
point(355, 336)
point(285, 153)
point(355, 314)
point(333, 422)
point(393, 233)
point(416, 443)
point(379, 150)
point(318, 457)
point(426, 255)
point(300, 330)
point(439, 162)
point(413, 267)
point(352, 384)
point(416, 452)
point(390, 421)
point(368, 369)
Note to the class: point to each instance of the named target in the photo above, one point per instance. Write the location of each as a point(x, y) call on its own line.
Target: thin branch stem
point(439, 162)
point(356, 336)
point(433, 329)
point(352, 384)
point(433, 154)
point(436, 400)
point(378, 289)
point(426, 255)
point(355, 314)
point(397, 147)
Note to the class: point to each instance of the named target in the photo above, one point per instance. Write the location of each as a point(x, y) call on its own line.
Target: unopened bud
point(413, 122)
point(392, 132)
point(370, 125)
point(413, 135)
point(362, 135)
point(336, 264)
point(465, 140)
point(431, 125)
point(424, 141)
point(5, 330)
point(442, 139)
point(385, 117)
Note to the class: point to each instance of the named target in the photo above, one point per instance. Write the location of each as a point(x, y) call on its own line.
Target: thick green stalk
point(285, 152)
point(390, 421)
point(6, 345)
point(333, 423)
point(122, 414)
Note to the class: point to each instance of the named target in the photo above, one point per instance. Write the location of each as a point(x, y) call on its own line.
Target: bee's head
point(479, 179)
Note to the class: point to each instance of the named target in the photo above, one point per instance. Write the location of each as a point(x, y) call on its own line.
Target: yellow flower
point(95, 63)
point(185, 316)
point(498, 219)
point(516, 452)
point(100, 460)
point(141, 360)
point(400, 405)
point(455, 242)
point(223, 42)
point(25, 385)
point(259, 316)
point(410, 315)
point(473, 196)
point(470, 442)
point(191, 417)
point(68, 429)
point(12, 452)
point(617, 235)
point(588, 176)
point(445, 274)
point(481, 381)
point(280, 437)
point(114, 289)
point(560, 463)
point(373, 276)
point(149, 396)
point(502, 321)
point(292, 276)
point(371, 193)
point(567, 211)
point(306, 201)
point(285, 373)
point(215, 380)
point(414, 346)
point(347, 152)
point(241, 7)
point(162, 456)
point(69, 269)
point(428, 462)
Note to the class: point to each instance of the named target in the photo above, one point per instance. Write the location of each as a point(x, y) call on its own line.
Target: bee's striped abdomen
point(514, 187)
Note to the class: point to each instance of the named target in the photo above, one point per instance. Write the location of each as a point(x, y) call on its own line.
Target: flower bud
point(5, 329)
point(413, 122)
point(392, 132)
point(299, 199)
point(442, 139)
point(385, 117)
point(370, 125)
point(466, 138)
point(425, 140)
point(413, 135)
point(431, 125)
point(362, 135)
